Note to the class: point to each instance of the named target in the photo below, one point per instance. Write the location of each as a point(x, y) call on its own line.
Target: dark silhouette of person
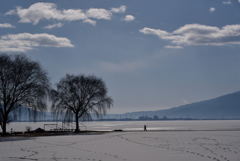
point(145, 127)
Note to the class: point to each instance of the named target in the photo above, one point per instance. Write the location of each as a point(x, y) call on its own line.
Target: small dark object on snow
point(39, 130)
point(145, 127)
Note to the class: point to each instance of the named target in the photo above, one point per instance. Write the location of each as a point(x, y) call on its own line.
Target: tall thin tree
point(22, 83)
point(79, 97)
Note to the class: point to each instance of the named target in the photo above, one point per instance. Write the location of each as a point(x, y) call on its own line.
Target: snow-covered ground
point(166, 141)
point(126, 146)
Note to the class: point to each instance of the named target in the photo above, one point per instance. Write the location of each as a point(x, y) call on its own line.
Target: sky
point(152, 55)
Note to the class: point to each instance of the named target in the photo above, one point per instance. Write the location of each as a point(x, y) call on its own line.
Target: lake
point(132, 125)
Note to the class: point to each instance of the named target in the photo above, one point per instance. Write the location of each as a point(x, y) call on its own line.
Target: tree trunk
point(4, 122)
point(77, 124)
point(4, 128)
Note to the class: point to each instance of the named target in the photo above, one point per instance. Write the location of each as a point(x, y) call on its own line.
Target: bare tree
point(78, 97)
point(22, 83)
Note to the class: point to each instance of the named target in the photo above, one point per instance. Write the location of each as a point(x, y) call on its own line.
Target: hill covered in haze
point(223, 107)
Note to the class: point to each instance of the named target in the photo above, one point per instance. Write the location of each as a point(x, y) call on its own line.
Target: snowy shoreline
point(126, 146)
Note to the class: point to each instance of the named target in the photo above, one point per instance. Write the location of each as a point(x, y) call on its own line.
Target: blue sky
point(152, 54)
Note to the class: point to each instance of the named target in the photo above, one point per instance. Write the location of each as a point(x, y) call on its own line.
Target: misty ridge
point(223, 107)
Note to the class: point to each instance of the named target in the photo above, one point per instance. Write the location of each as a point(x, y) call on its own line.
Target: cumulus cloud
point(121, 9)
point(6, 25)
point(39, 11)
point(56, 25)
point(129, 18)
point(24, 42)
point(48, 11)
point(212, 9)
point(90, 21)
point(99, 13)
point(198, 35)
point(173, 47)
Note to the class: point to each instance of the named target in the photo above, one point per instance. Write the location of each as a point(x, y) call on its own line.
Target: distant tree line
point(155, 117)
point(149, 118)
point(23, 83)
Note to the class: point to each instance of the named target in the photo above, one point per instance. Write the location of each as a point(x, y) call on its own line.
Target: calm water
point(134, 125)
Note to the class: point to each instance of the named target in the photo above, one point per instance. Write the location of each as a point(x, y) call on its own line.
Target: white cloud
point(129, 18)
point(227, 2)
point(39, 11)
point(173, 47)
point(99, 13)
point(56, 25)
point(212, 9)
point(90, 21)
point(6, 25)
point(121, 9)
point(48, 11)
point(198, 35)
point(24, 42)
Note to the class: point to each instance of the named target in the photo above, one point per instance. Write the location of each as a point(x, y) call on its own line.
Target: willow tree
point(22, 83)
point(80, 97)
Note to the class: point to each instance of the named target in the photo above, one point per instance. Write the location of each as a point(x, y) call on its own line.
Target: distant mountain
point(223, 107)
